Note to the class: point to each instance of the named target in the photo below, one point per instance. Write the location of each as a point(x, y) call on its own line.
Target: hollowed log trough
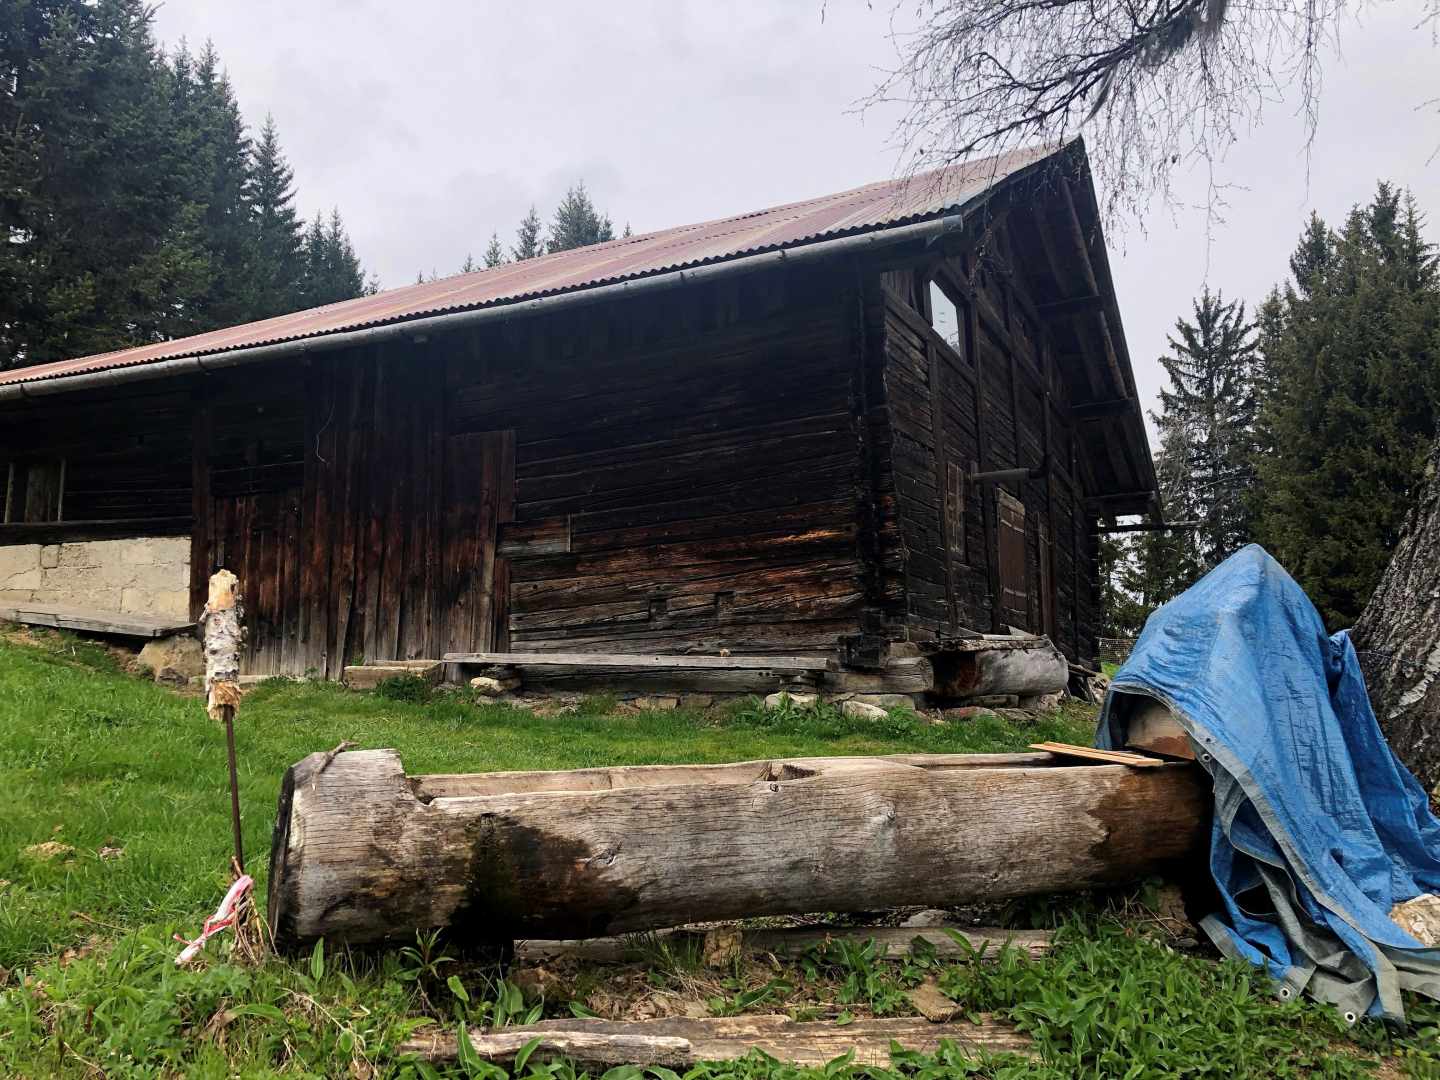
point(364, 853)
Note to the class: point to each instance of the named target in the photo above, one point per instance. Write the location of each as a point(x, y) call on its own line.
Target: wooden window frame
point(19, 477)
point(940, 279)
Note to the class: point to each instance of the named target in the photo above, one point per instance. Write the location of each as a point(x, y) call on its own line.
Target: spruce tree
point(280, 245)
point(528, 243)
point(1351, 393)
point(577, 223)
point(494, 253)
point(1207, 427)
point(102, 240)
point(332, 269)
point(215, 156)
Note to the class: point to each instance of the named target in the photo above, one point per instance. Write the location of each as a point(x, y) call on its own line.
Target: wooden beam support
point(634, 660)
point(63, 532)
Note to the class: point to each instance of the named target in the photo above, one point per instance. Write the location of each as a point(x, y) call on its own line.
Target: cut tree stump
point(362, 852)
point(676, 1043)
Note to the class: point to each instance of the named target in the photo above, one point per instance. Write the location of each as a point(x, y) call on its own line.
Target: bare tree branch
point(1153, 84)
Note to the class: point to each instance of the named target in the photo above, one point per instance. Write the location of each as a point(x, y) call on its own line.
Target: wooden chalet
point(890, 415)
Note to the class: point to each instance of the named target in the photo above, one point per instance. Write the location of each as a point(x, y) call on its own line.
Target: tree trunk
point(364, 853)
point(1398, 637)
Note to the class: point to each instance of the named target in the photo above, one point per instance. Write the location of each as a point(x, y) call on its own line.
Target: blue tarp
point(1319, 829)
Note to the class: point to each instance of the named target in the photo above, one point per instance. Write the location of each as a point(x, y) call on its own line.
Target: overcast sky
point(432, 123)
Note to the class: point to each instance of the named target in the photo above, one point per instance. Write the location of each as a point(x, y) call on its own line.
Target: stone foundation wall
point(143, 576)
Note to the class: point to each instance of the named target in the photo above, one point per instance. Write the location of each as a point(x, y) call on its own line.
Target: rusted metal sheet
point(875, 206)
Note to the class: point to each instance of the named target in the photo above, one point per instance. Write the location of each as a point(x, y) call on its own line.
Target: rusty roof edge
point(930, 228)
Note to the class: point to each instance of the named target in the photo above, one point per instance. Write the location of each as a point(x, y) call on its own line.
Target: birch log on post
point(364, 853)
point(223, 637)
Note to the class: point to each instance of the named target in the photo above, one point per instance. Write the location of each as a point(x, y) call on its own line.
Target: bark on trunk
point(1398, 637)
point(364, 853)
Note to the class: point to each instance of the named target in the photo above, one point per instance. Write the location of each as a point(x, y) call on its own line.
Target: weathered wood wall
point(358, 529)
point(687, 467)
point(675, 476)
point(992, 400)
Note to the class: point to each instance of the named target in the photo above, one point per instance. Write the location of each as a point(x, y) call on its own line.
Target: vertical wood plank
point(348, 464)
point(377, 465)
point(505, 513)
point(201, 530)
point(982, 442)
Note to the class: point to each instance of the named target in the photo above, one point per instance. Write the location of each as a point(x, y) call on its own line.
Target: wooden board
point(364, 853)
point(677, 1043)
point(1090, 753)
point(640, 661)
point(96, 622)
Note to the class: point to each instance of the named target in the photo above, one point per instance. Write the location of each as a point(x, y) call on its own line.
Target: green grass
point(91, 758)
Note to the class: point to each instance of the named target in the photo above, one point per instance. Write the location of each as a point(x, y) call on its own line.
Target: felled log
point(986, 667)
point(364, 853)
point(676, 1043)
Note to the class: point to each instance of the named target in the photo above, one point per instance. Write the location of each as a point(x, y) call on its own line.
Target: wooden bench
point(94, 621)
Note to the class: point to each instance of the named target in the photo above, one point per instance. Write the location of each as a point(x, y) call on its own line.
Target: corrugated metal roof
point(876, 206)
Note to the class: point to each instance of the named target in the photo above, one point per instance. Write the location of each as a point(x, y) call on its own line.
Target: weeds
point(410, 688)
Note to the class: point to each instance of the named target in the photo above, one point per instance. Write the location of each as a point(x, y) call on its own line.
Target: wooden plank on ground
point(122, 624)
point(897, 942)
point(677, 1043)
point(641, 660)
point(1090, 753)
point(892, 942)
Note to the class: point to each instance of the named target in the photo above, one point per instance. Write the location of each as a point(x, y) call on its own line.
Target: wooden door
point(1010, 560)
point(479, 495)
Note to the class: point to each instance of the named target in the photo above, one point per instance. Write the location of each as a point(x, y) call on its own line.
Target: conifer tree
point(469, 266)
point(494, 253)
point(332, 269)
point(101, 240)
point(1351, 394)
point(214, 151)
point(282, 256)
point(1207, 427)
point(528, 243)
point(577, 223)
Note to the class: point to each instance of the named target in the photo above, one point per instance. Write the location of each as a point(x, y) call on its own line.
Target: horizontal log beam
point(640, 661)
point(362, 854)
point(63, 532)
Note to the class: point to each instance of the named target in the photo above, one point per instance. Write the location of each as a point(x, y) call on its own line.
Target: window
point(944, 315)
point(34, 491)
